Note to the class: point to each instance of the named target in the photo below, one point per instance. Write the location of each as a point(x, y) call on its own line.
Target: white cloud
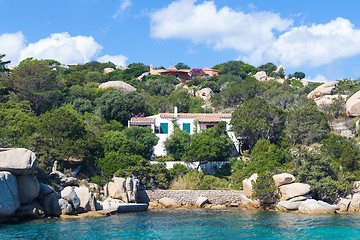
point(318, 78)
point(59, 46)
point(312, 46)
point(63, 48)
point(258, 37)
point(11, 44)
point(223, 28)
point(118, 60)
point(124, 4)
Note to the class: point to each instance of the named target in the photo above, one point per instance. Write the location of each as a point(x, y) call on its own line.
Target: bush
point(264, 188)
point(327, 180)
point(175, 144)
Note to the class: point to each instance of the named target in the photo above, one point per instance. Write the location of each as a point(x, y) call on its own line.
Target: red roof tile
point(201, 117)
point(142, 120)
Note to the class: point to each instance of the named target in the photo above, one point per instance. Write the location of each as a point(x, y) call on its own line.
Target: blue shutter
point(164, 128)
point(186, 127)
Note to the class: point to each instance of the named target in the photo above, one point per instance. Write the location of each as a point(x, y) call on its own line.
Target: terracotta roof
point(201, 117)
point(142, 120)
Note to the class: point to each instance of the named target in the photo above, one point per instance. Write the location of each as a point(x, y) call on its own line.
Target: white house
point(162, 125)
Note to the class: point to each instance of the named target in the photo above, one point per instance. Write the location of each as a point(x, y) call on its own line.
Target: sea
point(191, 224)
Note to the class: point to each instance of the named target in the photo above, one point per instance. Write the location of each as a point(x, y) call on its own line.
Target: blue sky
point(320, 38)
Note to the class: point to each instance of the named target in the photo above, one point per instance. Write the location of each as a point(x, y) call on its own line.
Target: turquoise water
point(191, 224)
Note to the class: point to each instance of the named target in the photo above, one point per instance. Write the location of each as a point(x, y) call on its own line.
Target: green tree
point(144, 136)
point(255, 119)
point(181, 65)
point(34, 81)
point(199, 150)
point(62, 134)
point(299, 75)
point(269, 68)
point(327, 181)
point(176, 143)
point(3, 69)
point(306, 125)
point(115, 105)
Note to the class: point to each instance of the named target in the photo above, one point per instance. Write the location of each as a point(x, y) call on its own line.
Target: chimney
point(175, 112)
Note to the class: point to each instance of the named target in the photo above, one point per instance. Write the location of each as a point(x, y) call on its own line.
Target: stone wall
point(190, 196)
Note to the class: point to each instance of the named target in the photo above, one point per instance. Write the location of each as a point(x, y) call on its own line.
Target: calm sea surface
point(191, 224)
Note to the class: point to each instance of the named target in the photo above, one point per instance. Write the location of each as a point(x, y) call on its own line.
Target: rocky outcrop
point(247, 185)
point(292, 204)
point(68, 194)
point(168, 202)
point(353, 105)
point(292, 190)
point(283, 178)
point(344, 204)
point(261, 76)
point(87, 199)
point(108, 70)
point(123, 189)
point(201, 201)
point(28, 188)
point(119, 85)
point(51, 205)
point(311, 206)
point(18, 161)
point(355, 203)
point(323, 102)
point(9, 198)
point(324, 89)
point(32, 210)
point(205, 93)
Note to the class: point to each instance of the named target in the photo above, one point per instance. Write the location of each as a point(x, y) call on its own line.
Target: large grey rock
point(45, 190)
point(51, 205)
point(205, 93)
point(323, 102)
point(142, 196)
point(108, 70)
point(283, 178)
point(201, 201)
point(247, 185)
point(117, 189)
point(353, 105)
point(323, 89)
point(292, 190)
point(261, 76)
point(19, 161)
point(32, 210)
point(9, 198)
point(132, 186)
point(311, 206)
point(66, 207)
point(87, 199)
point(28, 188)
point(168, 202)
point(119, 85)
point(69, 194)
point(344, 204)
point(355, 203)
point(292, 204)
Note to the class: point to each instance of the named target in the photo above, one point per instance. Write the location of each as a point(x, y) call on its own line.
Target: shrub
point(264, 188)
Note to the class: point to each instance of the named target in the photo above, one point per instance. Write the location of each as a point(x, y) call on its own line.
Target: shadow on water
point(191, 224)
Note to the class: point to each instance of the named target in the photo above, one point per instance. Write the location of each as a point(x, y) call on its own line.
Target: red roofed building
point(182, 74)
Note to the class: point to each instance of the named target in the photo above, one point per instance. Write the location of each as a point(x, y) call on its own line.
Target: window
point(177, 76)
point(186, 127)
point(209, 126)
point(207, 75)
point(164, 128)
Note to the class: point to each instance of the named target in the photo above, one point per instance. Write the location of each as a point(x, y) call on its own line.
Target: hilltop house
point(182, 74)
point(162, 125)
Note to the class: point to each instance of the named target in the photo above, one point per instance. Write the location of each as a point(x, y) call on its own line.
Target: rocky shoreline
point(24, 197)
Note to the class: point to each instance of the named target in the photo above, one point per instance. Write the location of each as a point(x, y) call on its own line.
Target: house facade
point(162, 125)
point(182, 74)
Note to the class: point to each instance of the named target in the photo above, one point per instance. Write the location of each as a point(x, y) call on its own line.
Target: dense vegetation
point(60, 113)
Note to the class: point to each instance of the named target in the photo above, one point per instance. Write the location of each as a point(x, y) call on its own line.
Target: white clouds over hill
point(258, 37)
point(59, 46)
point(118, 60)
